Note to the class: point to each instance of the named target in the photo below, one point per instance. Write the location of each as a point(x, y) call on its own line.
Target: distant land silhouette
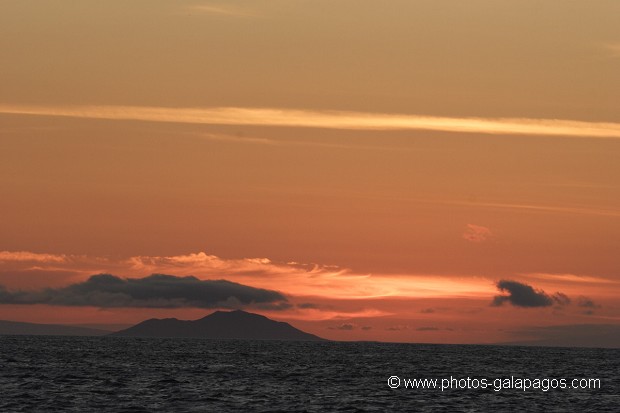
point(33, 329)
point(220, 325)
point(576, 335)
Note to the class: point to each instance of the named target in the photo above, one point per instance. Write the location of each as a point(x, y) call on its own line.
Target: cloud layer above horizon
point(154, 291)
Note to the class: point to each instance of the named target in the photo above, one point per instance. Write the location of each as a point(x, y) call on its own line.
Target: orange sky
point(382, 167)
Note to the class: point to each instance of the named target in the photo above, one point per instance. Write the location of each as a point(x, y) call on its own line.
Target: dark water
point(176, 375)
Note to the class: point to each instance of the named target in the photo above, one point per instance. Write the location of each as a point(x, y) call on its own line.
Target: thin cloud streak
point(533, 208)
point(491, 205)
point(27, 256)
point(222, 10)
point(572, 278)
point(328, 119)
point(613, 50)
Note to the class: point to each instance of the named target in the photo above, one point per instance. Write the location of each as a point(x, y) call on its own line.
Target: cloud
point(476, 233)
point(586, 302)
point(561, 298)
point(328, 119)
point(307, 305)
point(222, 10)
point(279, 306)
point(427, 311)
point(397, 328)
point(613, 50)
point(155, 291)
point(235, 138)
point(523, 295)
point(530, 207)
point(307, 281)
point(427, 329)
point(345, 327)
point(335, 313)
point(366, 328)
point(572, 278)
point(26, 256)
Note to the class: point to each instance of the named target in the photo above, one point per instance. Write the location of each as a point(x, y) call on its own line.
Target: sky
point(411, 171)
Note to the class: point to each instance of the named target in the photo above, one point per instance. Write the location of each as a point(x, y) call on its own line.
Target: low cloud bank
point(154, 291)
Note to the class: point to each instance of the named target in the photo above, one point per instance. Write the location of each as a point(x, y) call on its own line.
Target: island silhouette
point(236, 324)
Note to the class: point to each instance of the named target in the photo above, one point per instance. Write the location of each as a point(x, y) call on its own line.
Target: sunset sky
point(416, 171)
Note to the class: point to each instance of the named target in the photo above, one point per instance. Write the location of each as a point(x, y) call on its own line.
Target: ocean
point(112, 374)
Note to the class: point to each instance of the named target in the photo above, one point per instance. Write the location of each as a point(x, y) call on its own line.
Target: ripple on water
point(78, 374)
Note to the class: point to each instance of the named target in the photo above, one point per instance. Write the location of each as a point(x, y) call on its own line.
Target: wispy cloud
point(235, 138)
point(586, 302)
point(613, 50)
point(328, 119)
point(311, 279)
point(572, 278)
point(533, 207)
point(226, 10)
point(476, 233)
point(222, 137)
point(33, 257)
point(580, 209)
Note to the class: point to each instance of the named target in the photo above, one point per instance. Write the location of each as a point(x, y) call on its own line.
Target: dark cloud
point(345, 326)
point(279, 306)
point(155, 291)
point(427, 329)
point(427, 311)
point(307, 305)
point(586, 302)
point(366, 328)
point(397, 328)
point(523, 295)
point(561, 298)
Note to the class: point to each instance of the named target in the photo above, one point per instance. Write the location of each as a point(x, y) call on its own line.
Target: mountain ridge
point(235, 324)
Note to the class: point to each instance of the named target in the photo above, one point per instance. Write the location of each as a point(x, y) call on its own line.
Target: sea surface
point(113, 374)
